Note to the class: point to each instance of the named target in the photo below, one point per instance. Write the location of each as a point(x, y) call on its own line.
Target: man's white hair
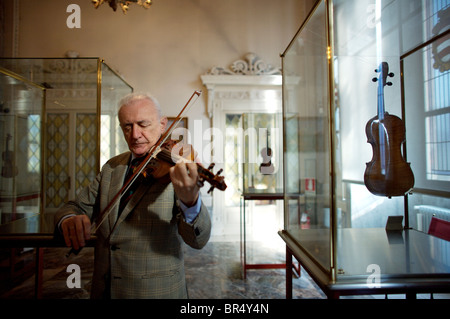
point(133, 97)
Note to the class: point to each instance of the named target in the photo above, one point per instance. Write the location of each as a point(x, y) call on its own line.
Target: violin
point(387, 174)
point(266, 167)
point(170, 153)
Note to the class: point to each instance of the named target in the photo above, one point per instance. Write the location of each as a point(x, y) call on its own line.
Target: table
point(255, 195)
point(409, 261)
point(36, 231)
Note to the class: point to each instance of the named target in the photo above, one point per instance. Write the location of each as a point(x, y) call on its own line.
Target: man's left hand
point(184, 177)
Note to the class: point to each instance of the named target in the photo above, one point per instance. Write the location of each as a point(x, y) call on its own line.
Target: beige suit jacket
point(139, 254)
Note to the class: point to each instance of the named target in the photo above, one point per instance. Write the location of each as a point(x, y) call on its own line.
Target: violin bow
point(155, 149)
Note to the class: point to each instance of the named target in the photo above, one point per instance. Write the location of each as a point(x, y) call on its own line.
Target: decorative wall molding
point(72, 94)
point(56, 73)
point(252, 65)
point(245, 95)
point(247, 79)
point(239, 87)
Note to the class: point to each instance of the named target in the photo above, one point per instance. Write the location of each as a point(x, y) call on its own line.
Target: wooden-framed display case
point(336, 88)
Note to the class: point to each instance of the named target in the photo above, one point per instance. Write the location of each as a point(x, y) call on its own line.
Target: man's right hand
point(76, 230)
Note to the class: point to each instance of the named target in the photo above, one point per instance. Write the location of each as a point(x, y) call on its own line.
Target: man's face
point(141, 126)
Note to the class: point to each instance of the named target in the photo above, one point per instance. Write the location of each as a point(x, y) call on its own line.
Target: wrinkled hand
point(184, 177)
point(76, 230)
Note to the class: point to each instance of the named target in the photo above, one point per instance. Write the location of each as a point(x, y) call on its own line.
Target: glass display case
point(21, 109)
point(262, 162)
point(353, 70)
point(75, 126)
point(262, 193)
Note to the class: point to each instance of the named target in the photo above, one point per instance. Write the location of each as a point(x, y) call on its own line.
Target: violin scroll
point(214, 180)
point(384, 70)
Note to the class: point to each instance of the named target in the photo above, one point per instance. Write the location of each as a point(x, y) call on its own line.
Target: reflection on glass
point(305, 67)
point(20, 145)
point(427, 101)
point(263, 165)
point(81, 129)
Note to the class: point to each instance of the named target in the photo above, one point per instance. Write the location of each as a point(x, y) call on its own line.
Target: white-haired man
point(138, 251)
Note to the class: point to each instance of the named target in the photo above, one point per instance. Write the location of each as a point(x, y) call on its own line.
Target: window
point(34, 147)
point(437, 101)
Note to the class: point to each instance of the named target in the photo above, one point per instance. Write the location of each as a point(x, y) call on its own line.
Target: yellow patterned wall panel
point(57, 158)
point(86, 148)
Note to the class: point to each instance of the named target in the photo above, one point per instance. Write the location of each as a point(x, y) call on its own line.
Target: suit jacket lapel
point(117, 180)
point(142, 189)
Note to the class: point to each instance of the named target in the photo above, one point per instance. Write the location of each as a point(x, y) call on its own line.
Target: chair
point(439, 228)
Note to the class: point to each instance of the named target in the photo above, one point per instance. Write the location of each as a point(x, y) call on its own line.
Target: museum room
point(225, 150)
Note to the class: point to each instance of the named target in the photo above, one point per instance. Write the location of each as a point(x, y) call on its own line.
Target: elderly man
point(138, 252)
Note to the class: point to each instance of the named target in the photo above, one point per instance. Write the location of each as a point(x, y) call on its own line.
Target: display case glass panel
point(306, 97)
point(21, 105)
point(262, 158)
point(113, 89)
point(427, 110)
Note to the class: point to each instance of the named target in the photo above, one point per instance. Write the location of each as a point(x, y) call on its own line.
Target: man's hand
point(76, 230)
point(184, 177)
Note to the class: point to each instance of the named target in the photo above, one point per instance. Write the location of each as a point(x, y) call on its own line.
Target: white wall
point(164, 49)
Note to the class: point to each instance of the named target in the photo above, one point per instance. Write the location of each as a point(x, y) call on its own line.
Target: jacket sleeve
point(197, 233)
point(86, 202)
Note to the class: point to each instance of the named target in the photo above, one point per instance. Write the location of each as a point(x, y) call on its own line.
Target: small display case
point(59, 119)
point(262, 162)
point(353, 67)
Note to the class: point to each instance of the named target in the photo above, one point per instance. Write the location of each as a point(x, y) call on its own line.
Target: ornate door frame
point(248, 86)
